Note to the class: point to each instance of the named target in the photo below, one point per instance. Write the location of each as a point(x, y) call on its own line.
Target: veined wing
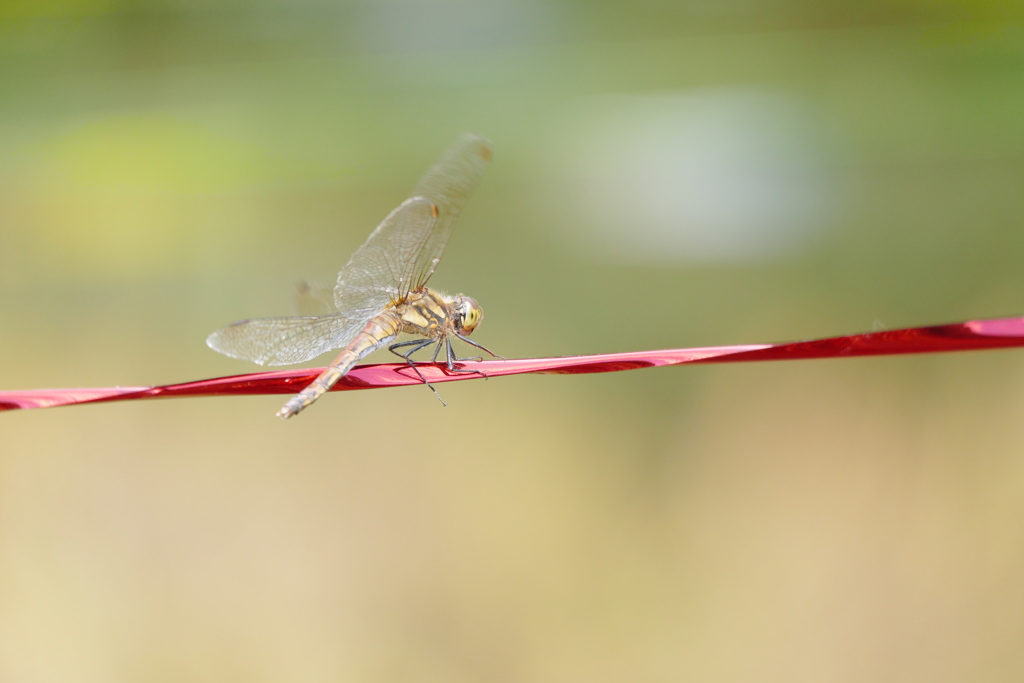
point(379, 272)
point(447, 185)
point(286, 341)
point(402, 253)
point(315, 298)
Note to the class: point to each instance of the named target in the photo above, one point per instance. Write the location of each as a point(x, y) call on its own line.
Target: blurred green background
point(666, 174)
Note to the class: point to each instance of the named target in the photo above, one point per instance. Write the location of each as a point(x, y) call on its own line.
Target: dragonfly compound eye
point(470, 314)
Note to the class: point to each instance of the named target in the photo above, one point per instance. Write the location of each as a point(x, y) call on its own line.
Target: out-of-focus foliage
point(665, 174)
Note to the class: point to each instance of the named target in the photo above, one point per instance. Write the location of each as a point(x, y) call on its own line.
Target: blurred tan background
point(666, 174)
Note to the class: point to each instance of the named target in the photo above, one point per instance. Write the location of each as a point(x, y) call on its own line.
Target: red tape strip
point(967, 336)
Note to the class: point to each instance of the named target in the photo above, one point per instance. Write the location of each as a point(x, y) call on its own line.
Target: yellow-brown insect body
point(424, 312)
point(381, 290)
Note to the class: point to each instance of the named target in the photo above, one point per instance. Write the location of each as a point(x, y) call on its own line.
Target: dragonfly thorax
point(423, 312)
point(432, 314)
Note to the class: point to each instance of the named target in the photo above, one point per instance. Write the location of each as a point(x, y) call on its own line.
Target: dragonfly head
point(468, 314)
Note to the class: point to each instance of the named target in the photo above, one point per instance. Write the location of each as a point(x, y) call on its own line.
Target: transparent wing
point(402, 253)
point(315, 298)
point(380, 271)
point(447, 185)
point(286, 341)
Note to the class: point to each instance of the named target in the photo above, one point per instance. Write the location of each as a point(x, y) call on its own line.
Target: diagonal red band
point(967, 336)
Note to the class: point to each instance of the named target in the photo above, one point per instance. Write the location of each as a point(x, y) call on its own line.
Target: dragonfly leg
point(479, 346)
point(416, 345)
point(451, 359)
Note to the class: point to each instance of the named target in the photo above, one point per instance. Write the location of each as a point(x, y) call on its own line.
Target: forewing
point(402, 253)
point(380, 271)
point(446, 186)
point(286, 341)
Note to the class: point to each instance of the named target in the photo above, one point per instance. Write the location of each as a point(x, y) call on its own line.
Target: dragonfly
point(381, 292)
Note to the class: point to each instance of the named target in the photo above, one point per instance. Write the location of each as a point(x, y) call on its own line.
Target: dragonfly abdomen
point(379, 332)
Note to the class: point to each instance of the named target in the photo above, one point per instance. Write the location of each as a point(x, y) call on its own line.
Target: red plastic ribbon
point(967, 336)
